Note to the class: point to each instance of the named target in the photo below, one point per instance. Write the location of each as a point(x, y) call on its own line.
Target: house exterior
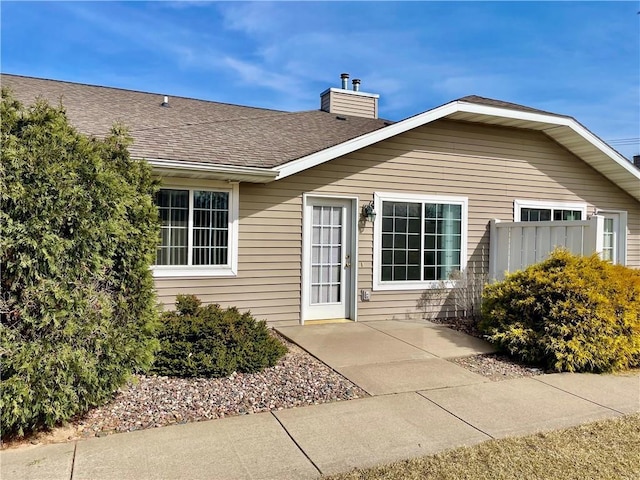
point(272, 211)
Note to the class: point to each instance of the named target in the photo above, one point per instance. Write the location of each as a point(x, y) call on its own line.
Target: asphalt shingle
point(195, 130)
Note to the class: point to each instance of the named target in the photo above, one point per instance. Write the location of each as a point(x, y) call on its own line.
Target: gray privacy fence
point(516, 245)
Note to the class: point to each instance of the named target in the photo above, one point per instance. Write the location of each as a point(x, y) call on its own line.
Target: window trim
point(231, 268)
point(378, 198)
point(519, 204)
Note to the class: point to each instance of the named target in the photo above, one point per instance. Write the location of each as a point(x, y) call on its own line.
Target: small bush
point(208, 341)
point(568, 313)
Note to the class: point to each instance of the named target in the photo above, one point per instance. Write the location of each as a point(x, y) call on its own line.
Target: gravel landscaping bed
point(297, 380)
point(496, 367)
point(152, 401)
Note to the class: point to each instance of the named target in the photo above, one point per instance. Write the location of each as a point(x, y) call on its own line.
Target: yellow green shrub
point(567, 313)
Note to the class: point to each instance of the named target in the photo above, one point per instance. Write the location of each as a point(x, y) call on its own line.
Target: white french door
point(327, 272)
point(611, 232)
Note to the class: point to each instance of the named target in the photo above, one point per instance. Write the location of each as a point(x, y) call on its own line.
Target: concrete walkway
point(420, 404)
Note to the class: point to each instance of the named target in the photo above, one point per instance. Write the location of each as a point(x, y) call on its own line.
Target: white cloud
point(253, 74)
point(251, 17)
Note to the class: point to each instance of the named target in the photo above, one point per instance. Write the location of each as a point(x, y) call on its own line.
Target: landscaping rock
point(153, 401)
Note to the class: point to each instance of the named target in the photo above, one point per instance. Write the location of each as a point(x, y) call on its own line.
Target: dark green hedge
point(567, 313)
point(78, 231)
point(209, 341)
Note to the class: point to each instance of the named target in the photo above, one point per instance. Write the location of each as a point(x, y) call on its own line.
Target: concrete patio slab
point(619, 392)
point(409, 376)
point(247, 447)
point(438, 340)
point(41, 461)
point(516, 407)
point(361, 433)
point(343, 344)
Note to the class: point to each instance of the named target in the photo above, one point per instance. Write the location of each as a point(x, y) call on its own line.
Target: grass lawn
point(608, 449)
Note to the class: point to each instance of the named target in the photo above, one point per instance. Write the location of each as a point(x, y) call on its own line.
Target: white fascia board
point(514, 114)
point(365, 140)
point(252, 174)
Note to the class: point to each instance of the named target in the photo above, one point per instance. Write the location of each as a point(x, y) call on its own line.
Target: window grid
point(401, 241)
point(210, 228)
point(547, 214)
point(326, 255)
point(173, 208)
point(195, 227)
point(421, 241)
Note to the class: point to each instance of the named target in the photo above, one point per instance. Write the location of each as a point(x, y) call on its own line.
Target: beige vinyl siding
point(492, 166)
point(325, 103)
point(348, 103)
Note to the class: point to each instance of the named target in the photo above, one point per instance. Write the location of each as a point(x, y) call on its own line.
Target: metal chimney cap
point(356, 84)
point(165, 101)
point(345, 79)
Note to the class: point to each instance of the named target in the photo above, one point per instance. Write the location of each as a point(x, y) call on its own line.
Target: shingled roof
point(236, 143)
point(192, 130)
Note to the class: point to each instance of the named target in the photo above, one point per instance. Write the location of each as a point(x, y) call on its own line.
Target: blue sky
point(576, 58)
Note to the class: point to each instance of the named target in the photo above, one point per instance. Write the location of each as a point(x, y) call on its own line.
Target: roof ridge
point(120, 89)
point(492, 102)
point(211, 122)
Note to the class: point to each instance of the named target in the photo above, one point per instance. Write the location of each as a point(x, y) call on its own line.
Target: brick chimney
point(343, 101)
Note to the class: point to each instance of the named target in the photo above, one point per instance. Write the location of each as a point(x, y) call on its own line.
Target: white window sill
point(204, 271)
point(428, 285)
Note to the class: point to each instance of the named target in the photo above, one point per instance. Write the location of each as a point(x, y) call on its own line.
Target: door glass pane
point(608, 225)
point(609, 240)
point(326, 257)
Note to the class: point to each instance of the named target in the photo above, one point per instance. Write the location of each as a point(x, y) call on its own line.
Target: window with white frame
point(197, 232)
point(542, 211)
point(419, 239)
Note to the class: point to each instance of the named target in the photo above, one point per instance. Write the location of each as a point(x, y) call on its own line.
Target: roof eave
point(231, 173)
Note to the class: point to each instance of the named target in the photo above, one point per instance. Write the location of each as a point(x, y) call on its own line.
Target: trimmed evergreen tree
point(78, 232)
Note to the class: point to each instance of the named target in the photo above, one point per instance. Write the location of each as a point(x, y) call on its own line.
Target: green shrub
point(567, 313)
point(208, 341)
point(78, 232)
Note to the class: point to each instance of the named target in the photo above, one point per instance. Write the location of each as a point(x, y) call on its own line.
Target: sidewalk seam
point(401, 340)
point(296, 443)
point(578, 396)
point(459, 418)
point(73, 459)
point(322, 362)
